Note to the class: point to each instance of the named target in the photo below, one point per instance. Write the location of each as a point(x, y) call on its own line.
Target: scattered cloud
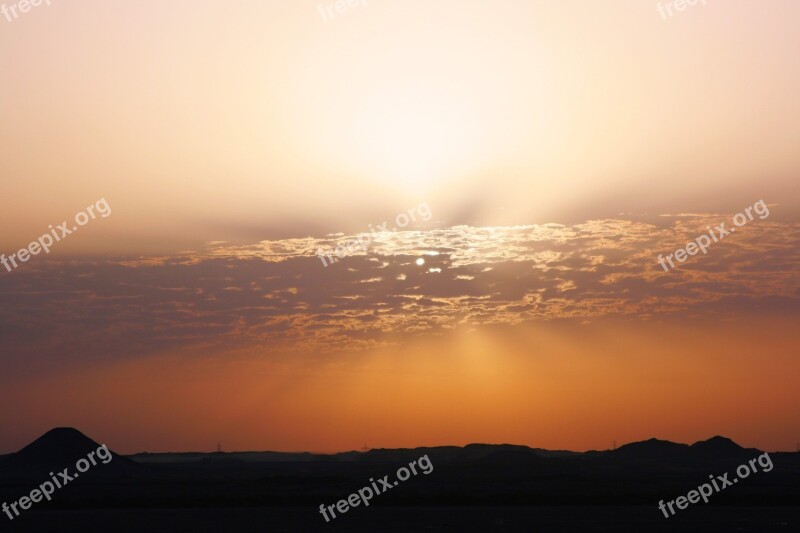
point(278, 295)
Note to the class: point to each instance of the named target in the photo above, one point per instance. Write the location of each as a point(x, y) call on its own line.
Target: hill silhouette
point(721, 447)
point(655, 452)
point(651, 450)
point(63, 445)
point(57, 449)
point(489, 484)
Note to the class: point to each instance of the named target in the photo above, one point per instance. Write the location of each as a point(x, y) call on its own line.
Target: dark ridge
point(652, 450)
point(512, 456)
point(650, 446)
point(61, 448)
point(58, 444)
point(721, 448)
point(717, 443)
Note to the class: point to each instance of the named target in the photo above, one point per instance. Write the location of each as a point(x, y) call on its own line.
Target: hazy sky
point(247, 120)
point(561, 146)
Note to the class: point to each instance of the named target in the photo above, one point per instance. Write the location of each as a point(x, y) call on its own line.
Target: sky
point(515, 171)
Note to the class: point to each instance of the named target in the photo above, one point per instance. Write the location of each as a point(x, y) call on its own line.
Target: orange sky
point(560, 146)
point(555, 386)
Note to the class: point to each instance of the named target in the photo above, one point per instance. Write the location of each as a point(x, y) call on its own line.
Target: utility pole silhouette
point(219, 447)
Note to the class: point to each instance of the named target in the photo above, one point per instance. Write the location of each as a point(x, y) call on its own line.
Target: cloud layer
point(277, 294)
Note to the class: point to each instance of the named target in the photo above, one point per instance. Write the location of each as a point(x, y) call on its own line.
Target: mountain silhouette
point(717, 444)
point(63, 445)
point(512, 456)
point(491, 485)
point(652, 449)
point(57, 449)
point(655, 451)
point(722, 448)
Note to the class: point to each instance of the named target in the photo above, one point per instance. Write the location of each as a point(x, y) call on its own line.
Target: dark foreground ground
point(410, 519)
point(480, 488)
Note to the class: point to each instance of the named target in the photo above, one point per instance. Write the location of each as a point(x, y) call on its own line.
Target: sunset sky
point(558, 147)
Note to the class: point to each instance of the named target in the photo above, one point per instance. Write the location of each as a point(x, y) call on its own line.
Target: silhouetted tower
point(219, 447)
